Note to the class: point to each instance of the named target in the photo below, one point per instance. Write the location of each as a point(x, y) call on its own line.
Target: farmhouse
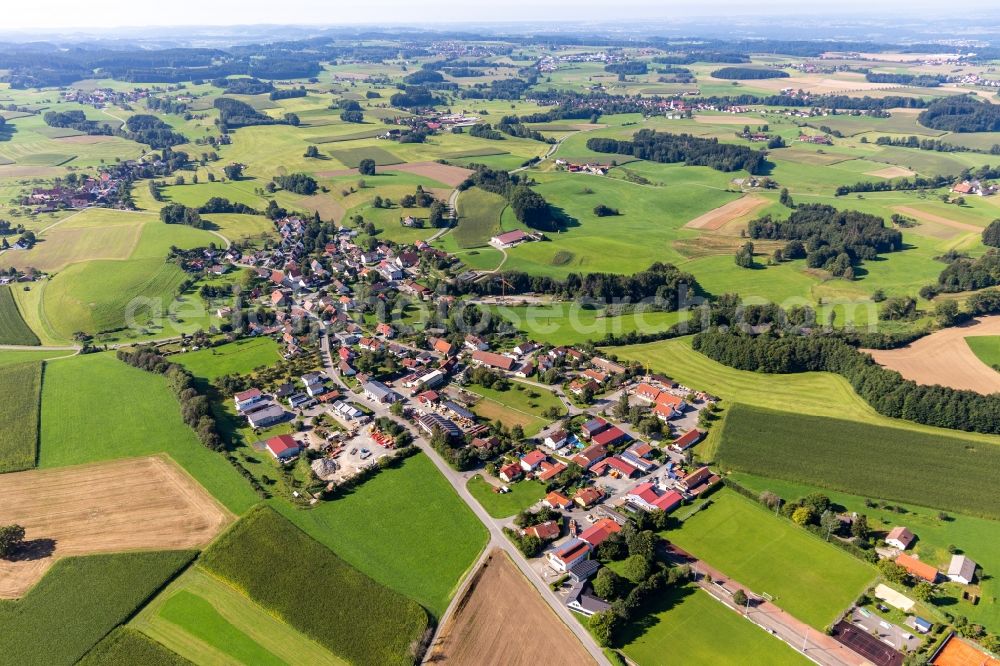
point(531, 461)
point(546, 531)
point(608, 366)
point(557, 439)
point(564, 557)
point(697, 481)
point(616, 467)
point(917, 568)
point(647, 497)
point(492, 360)
point(581, 386)
point(556, 500)
point(509, 239)
point(247, 399)
point(549, 470)
point(590, 455)
point(961, 569)
point(610, 436)
point(599, 531)
point(283, 447)
point(510, 472)
point(587, 497)
point(900, 537)
point(580, 600)
point(687, 440)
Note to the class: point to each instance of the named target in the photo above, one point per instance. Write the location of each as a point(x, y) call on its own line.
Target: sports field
point(406, 528)
point(709, 632)
point(19, 414)
point(941, 471)
point(96, 408)
point(13, 329)
point(240, 357)
point(205, 620)
point(812, 580)
point(522, 495)
point(131, 504)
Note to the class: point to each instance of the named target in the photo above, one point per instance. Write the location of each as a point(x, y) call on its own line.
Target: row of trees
point(961, 113)
point(749, 73)
point(528, 205)
point(691, 150)
point(885, 390)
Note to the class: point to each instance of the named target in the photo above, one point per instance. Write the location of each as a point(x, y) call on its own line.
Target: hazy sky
point(69, 14)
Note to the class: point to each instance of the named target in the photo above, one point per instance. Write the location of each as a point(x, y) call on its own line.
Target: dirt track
point(502, 620)
point(717, 218)
point(134, 504)
point(945, 358)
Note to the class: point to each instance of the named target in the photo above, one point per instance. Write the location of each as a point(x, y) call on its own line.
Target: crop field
point(13, 329)
point(499, 608)
point(710, 633)
point(15, 357)
point(978, 538)
point(479, 214)
point(986, 348)
point(723, 215)
point(131, 504)
point(240, 357)
point(450, 175)
point(205, 620)
point(812, 393)
point(78, 602)
point(336, 138)
point(235, 226)
point(19, 414)
point(351, 157)
point(946, 358)
point(812, 580)
point(128, 646)
point(378, 626)
point(943, 472)
point(82, 421)
point(391, 528)
point(521, 403)
point(500, 505)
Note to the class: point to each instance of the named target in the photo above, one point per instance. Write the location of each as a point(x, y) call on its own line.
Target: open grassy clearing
point(812, 393)
point(97, 408)
point(202, 618)
point(479, 214)
point(521, 401)
point(240, 357)
point(352, 157)
point(499, 608)
point(78, 602)
point(19, 414)
point(406, 528)
point(500, 505)
point(567, 323)
point(128, 646)
point(943, 472)
point(986, 348)
point(710, 633)
point(378, 626)
point(13, 329)
point(812, 580)
point(16, 357)
point(93, 234)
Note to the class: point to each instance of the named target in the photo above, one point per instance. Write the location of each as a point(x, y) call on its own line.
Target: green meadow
point(240, 357)
point(522, 495)
point(986, 348)
point(13, 329)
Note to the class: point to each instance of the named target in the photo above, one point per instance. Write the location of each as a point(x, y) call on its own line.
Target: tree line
point(691, 150)
point(749, 73)
point(885, 390)
point(528, 205)
point(961, 113)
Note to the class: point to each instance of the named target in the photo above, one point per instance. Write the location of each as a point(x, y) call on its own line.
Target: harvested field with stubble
point(442, 173)
point(491, 620)
point(133, 504)
point(945, 358)
point(714, 220)
point(891, 172)
point(924, 216)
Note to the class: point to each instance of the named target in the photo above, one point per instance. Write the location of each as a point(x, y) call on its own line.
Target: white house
point(961, 569)
point(564, 557)
point(247, 399)
point(900, 537)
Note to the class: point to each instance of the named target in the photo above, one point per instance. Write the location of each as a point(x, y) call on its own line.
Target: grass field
point(128, 646)
point(19, 414)
point(986, 348)
point(13, 329)
point(937, 471)
point(978, 538)
point(478, 217)
point(15, 357)
point(95, 407)
point(521, 403)
point(406, 528)
point(569, 324)
point(205, 620)
point(318, 594)
point(240, 357)
point(709, 632)
point(79, 601)
point(500, 505)
point(351, 157)
point(812, 580)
